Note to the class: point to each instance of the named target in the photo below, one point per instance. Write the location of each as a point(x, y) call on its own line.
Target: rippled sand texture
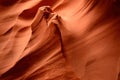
point(59, 39)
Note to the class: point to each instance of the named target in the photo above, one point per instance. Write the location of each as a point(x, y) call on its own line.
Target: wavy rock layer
point(59, 40)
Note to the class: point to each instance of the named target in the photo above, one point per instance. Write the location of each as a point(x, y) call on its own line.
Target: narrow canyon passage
point(59, 40)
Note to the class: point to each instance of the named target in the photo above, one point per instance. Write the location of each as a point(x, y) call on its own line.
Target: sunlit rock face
point(59, 39)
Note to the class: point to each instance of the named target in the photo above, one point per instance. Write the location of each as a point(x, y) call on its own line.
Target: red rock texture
point(59, 39)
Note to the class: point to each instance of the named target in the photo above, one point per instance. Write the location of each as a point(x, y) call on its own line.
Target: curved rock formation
point(59, 39)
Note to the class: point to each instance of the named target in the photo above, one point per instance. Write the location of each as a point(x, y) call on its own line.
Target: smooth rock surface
point(59, 39)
